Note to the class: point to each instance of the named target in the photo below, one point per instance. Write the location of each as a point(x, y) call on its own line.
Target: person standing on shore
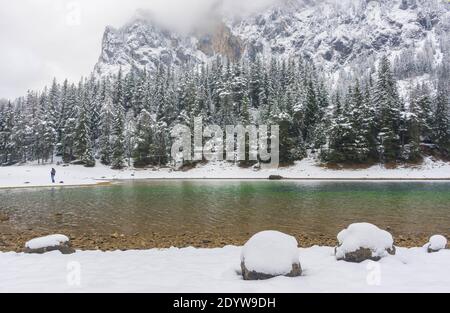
point(52, 174)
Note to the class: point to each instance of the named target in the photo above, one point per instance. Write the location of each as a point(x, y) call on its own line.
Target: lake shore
point(11, 240)
point(33, 175)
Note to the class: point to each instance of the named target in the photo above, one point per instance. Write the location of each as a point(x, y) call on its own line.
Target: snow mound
point(270, 252)
point(47, 241)
point(364, 236)
point(437, 243)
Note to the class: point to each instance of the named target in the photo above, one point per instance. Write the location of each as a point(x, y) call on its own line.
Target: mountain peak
point(339, 36)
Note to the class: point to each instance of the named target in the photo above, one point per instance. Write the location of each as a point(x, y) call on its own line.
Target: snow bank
point(217, 270)
point(47, 241)
point(270, 252)
point(364, 236)
point(39, 175)
point(437, 243)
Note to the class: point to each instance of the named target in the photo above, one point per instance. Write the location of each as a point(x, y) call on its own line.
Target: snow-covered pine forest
point(125, 120)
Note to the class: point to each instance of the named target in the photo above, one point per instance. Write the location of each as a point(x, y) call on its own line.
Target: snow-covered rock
point(269, 254)
point(49, 243)
point(437, 243)
point(364, 241)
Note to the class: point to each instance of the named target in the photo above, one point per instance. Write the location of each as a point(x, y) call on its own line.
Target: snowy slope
point(336, 32)
point(39, 175)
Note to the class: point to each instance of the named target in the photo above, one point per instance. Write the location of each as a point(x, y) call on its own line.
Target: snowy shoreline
point(218, 270)
point(34, 175)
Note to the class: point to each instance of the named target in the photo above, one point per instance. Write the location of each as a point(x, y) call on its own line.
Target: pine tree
point(244, 117)
point(106, 122)
point(144, 140)
point(138, 96)
point(359, 119)
point(256, 83)
point(18, 138)
point(387, 101)
point(414, 130)
point(118, 138)
point(45, 129)
point(62, 115)
point(341, 146)
point(70, 124)
point(118, 92)
point(6, 134)
point(312, 111)
point(441, 128)
point(370, 118)
point(425, 113)
point(83, 149)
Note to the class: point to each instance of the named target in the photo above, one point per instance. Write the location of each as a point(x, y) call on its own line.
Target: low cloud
point(62, 38)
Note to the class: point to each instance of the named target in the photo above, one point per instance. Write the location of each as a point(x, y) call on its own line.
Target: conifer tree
point(71, 113)
point(82, 137)
point(6, 134)
point(414, 130)
point(425, 113)
point(106, 122)
point(142, 153)
point(441, 128)
point(387, 101)
point(359, 119)
point(118, 138)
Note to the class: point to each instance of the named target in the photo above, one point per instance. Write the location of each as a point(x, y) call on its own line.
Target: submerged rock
point(50, 243)
point(270, 254)
point(4, 217)
point(275, 177)
point(363, 241)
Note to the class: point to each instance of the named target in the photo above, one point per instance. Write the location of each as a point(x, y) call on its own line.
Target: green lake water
point(231, 207)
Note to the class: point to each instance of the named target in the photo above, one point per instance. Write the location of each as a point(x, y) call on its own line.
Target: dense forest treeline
point(126, 119)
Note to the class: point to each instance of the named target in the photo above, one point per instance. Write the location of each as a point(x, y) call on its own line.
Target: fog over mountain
point(62, 38)
point(343, 38)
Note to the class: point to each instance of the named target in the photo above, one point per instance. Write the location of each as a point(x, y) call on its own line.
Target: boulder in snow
point(269, 254)
point(363, 241)
point(49, 243)
point(436, 244)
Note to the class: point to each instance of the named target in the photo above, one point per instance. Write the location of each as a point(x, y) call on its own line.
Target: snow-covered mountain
point(338, 35)
point(143, 45)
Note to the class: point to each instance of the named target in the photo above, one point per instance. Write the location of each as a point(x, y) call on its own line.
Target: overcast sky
point(42, 39)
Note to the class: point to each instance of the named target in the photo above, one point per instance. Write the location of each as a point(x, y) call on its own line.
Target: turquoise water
point(231, 207)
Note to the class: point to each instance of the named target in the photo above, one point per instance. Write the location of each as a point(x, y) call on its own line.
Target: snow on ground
point(47, 241)
point(217, 270)
point(39, 175)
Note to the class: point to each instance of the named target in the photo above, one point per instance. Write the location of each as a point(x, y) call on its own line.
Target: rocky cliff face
point(221, 41)
point(336, 34)
point(144, 45)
